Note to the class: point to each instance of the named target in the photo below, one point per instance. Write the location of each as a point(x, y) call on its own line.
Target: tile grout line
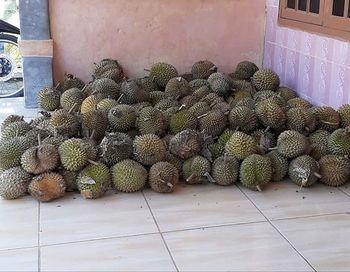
point(39, 249)
point(161, 234)
point(344, 192)
point(285, 238)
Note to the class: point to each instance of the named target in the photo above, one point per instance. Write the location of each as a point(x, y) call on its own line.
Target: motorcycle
point(11, 73)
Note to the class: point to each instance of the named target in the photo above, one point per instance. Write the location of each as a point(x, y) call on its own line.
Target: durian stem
point(92, 162)
point(267, 129)
point(166, 183)
point(329, 123)
point(191, 177)
point(57, 86)
point(147, 70)
point(201, 116)
point(179, 79)
point(237, 128)
point(307, 129)
point(273, 148)
point(119, 98)
point(92, 134)
point(182, 106)
point(83, 89)
point(258, 188)
point(213, 68)
point(209, 177)
point(72, 108)
point(317, 175)
point(39, 139)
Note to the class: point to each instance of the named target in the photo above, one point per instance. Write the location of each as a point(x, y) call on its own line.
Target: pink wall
point(139, 32)
point(318, 67)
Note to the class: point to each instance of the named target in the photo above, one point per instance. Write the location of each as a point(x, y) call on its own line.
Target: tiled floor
point(197, 228)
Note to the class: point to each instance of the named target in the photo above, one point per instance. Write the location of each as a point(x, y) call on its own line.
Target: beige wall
point(139, 32)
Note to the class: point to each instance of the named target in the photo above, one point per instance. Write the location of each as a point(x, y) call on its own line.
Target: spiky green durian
point(265, 79)
point(73, 154)
point(129, 176)
point(186, 144)
point(245, 70)
point(105, 88)
point(151, 121)
point(47, 187)
point(49, 99)
point(298, 102)
point(264, 139)
point(241, 145)
point(54, 140)
point(291, 144)
point(212, 123)
point(339, 142)
point(198, 83)
point(255, 171)
point(15, 129)
point(70, 81)
point(279, 165)
point(344, 113)
point(212, 99)
point(116, 147)
point(148, 84)
point(106, 104)
point(149, 149)
point(163, 177)
point(203, 69)
point(334, 170)
point(94, 124)
point(108, 68)
point(243, 118)
point(11, 119)
point(270, 114)
point(177, 88)
point(246, 102)
point(188, 101)
point(174, 161)
point(167, 103)
point(286, 93)
point(14, 183)
point(215, 151)
point(65, 123)
point(303, 170)
point(72, 98)
point(220, 83)
point(225, 170)
point(12, 150)
point(94, 180)
point(225, 136)
point(202, 91)
point(122, 118)
point(300, 120)
point(132, 92)
point(326, 117)
point(70, 177)
point(319, 144)
point(196, 169)
point(182, 120)
point(237, 96)
point(90, 103)
point(199, 108)
point(162, 72)
point(157, 96)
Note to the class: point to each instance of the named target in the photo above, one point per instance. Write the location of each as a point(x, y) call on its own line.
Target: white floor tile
point(251, 247)
point(138, 253)
point(19, 260)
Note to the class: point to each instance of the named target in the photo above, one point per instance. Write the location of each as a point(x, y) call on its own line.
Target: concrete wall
point(139, 32)
point(318, 67)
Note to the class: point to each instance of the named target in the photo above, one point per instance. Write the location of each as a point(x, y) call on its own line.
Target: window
point(331, 17)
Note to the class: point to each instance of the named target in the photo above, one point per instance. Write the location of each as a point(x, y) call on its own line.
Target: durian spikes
point(347, 130)
point(209, 177)
point(317, 175)
point(163, 181)
point(225, 157)
point(72, 108)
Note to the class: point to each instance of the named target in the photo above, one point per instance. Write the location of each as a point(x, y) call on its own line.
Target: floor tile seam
point(39, 229)
point(307, 216)
point(17, 248)
point(344, 192)
point(160, 233)
point(280, 233)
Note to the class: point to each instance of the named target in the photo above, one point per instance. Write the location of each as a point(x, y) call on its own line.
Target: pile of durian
point(200, 127)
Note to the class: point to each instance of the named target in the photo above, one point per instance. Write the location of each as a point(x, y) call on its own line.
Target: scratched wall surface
point(140, 32)
point(318, 67)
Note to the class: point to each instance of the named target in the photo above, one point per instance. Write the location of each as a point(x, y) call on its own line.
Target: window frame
point(323, 23)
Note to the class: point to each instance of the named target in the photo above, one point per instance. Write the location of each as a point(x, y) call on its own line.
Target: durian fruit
point(245, 70)
point(90, 148)
point(182, 120)
point(15, 129)
point(264, 140)
point(215, 149)
point(70, 81)
point(141, 105)
point(72, 98)
point(157, 96)
point(326, 117)
point(106, 104)
point(319, 144)
point(298, 102)
point(241, 145)
point(163, 176)
point(199, 108)
point(188, 101)
point(300, 120)
point(255, 171)
point(94, 124)
point(212, 123)
point(246, 102)
point(243, 85)
point(132, 92)
point(334, 170)
point(151, 121)
point(220, 84)
point(344, 113)
point(188, 76)
point(11, 152)
point(186, 144)
point(286, 93)
point(196, 169)
point(71, 179)
point(94, 180)
point(167, 103)
point(225, 170)
point(90, 103)
point(149, 149)
point(73, 154)
point(170, 158)
point(44, 116)
point(291, 144)
point(263, 95)
point(198, 83)
point(202, 91)
point(265, 79)
point(225, 136)
point(122, 118)
point(108, 68)
point(279, 165)
point(87, 90)
point(339, 142)
point(304, 171)
point(49, 99)
point(11, 119)
point(128, 176)
point(270, 114)
point(244, 119)
point(162, 72)
point(105, 88)
point(237, 96)
point(203, 69)
point(47, 187)
point(40, 159)
point(14, 183)
point(56, 140)
point(148, 84)
point(212, 99)
point(224, 107)
point(65, 123)
point(177, 88)
point(116, 147)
